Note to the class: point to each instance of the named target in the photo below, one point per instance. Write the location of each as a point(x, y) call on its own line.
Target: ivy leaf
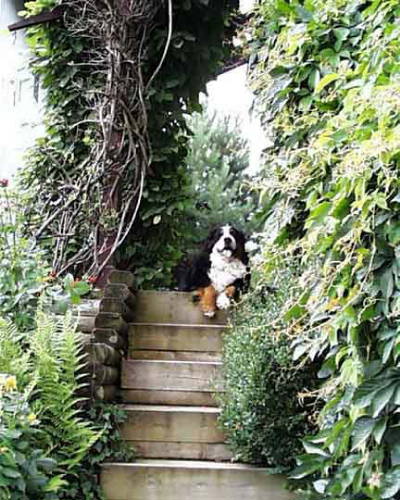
point(341, 33)
point(362, 431)
point(326, 80)
point(379, 429)
point(314, 78)
point(319, 213)
point(320, 485)
point(391, 483)
point(294, 312)
point(382, 398)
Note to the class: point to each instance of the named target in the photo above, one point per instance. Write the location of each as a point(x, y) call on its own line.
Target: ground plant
point(327, 81)
point(51, 443)
point(23, 266)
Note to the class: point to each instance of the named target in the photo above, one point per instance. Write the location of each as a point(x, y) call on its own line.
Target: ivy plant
point(326, 76)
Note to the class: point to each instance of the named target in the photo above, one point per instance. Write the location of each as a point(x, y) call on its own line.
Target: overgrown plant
point(25, 275)
point(23, 267)
point(26, 472)
point(119, 78)
point(48, 367)
point(267, 407)
point(330, 74)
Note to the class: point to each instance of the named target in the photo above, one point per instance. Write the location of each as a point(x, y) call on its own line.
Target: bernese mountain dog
point(219, 272)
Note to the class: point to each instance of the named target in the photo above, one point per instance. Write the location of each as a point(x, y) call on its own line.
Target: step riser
point(171, 307)
point(182, 451)
point(171, 376)
point(175, 355)
point(175, 338)
point(143, 482)
point(172, 426)
point(182, 398)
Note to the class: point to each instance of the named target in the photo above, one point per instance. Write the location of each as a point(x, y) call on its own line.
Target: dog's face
point(227, 241)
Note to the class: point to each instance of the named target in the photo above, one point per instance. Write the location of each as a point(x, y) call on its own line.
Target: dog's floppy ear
point(240, 251)
point(211, 239)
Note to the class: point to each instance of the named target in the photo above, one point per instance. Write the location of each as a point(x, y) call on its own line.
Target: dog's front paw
point(223, 301)
point(209, 314)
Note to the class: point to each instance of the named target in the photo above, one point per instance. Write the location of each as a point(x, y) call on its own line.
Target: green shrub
point(22, 265)
point(261, 411)
point(26, 471)
point(47, 365)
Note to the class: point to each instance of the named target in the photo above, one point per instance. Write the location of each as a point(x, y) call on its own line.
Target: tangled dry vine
point(109, 194)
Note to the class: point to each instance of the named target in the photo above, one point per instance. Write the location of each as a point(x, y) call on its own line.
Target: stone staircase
point(168, 382)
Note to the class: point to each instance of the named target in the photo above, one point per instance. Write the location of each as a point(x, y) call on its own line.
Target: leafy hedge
point(262, 414)
point(327, 79)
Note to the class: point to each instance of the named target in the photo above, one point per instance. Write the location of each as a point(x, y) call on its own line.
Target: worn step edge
point(170, 408)
point(215, 452)
point(187, 464)
point(187, 398)
point(174, 355)
point(215, 326)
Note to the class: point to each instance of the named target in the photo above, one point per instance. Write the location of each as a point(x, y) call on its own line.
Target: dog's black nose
point(227, 241)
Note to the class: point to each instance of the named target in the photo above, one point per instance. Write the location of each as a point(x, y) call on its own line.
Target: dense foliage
point(51, 446)
point(70, 182)
point(327, 79)
point(22, 266)
point(216, 162)
point(25, 470)
point(262, 415)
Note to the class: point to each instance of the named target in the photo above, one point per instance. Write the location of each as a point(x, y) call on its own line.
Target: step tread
point(173, 362)
point(170, 408)
point(182, 325)
point(186, 464)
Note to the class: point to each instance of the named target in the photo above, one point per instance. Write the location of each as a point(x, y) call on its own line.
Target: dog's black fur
point(192, 273)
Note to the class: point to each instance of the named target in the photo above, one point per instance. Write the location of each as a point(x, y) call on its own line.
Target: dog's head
point(227, 241)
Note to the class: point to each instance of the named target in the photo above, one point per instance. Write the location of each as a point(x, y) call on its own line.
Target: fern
point(57, 356)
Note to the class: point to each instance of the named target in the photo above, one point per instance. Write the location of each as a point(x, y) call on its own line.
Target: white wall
point(229, 94)
point(20, 117)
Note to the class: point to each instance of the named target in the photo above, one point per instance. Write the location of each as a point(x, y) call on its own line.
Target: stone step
point(194, 480)
point(175, 337)
point(185, 424)
point(192, 376)
point(188, 398)
point(172, 307)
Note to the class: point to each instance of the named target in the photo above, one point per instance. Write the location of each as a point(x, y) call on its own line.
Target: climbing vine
point(327, 79)
point(107, 177)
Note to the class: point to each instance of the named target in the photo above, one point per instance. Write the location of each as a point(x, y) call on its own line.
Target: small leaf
point(326, 80)
point(391, 483)
point(362, 431)
point(382, 398)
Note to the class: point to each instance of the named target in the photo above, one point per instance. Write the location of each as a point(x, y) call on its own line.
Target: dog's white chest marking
point(225, 270)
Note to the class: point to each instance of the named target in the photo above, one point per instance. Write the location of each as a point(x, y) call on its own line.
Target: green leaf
point(319, 213)
point(326, 80)
point(362, 431)
point(379, 429)
point(314, 78)
point(390, 483)
point(382, 398)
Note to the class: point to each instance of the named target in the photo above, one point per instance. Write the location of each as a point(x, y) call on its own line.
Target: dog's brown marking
point(230, 290)
point(208, 297)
